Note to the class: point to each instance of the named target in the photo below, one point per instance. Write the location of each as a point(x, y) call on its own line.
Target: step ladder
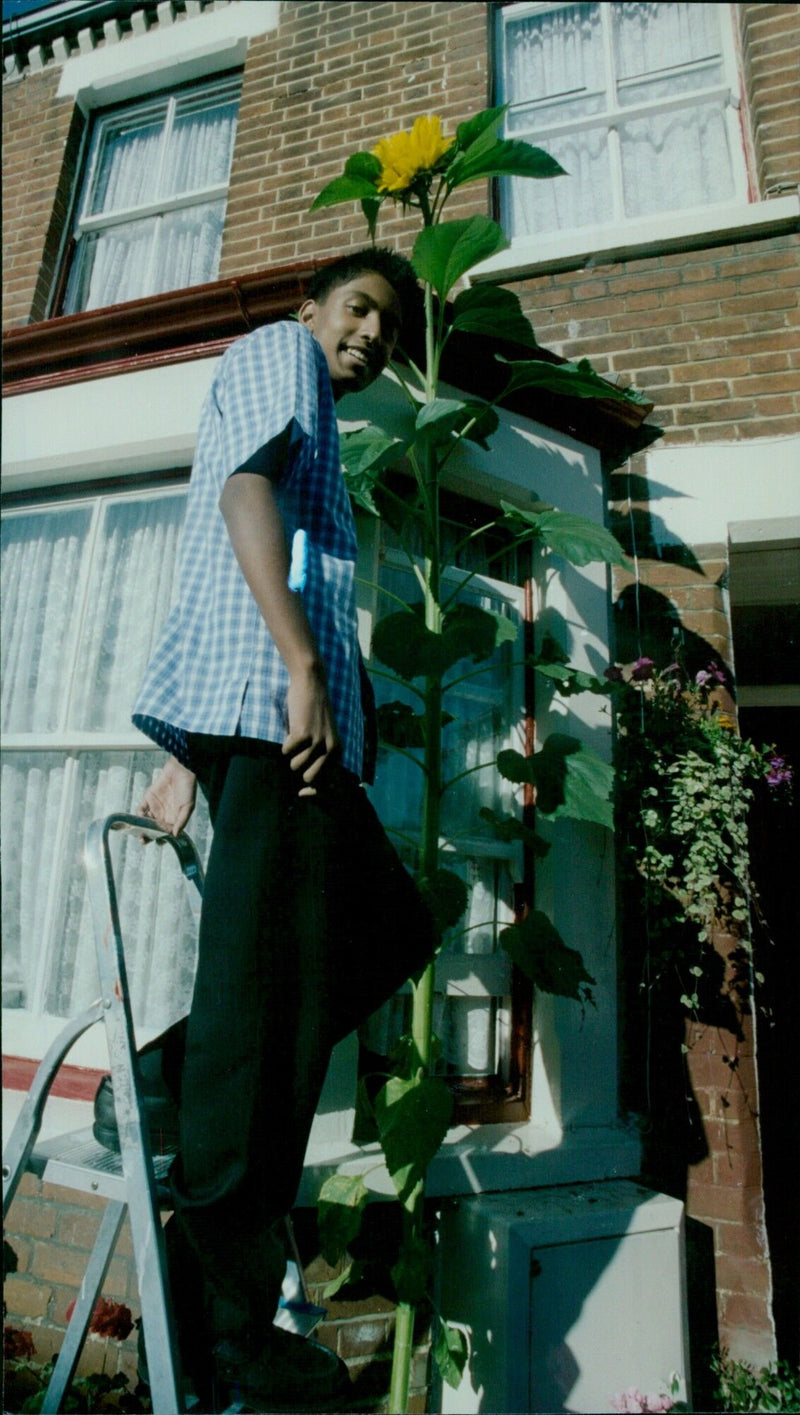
point(130, 1180)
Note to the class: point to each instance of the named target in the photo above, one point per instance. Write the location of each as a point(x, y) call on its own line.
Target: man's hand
point(169, 802)
point(312, 740)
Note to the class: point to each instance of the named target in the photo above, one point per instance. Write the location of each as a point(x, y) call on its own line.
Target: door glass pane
point(43, 564)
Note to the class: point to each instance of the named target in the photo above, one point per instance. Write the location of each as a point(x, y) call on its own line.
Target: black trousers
point(309, 922)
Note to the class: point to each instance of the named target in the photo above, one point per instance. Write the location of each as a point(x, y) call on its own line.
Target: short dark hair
point(380, 260)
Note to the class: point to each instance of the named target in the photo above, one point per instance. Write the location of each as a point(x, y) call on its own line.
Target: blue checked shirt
point(216, 669)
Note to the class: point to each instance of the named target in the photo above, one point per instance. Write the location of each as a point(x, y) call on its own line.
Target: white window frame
point(86, 223)
point(670, 230)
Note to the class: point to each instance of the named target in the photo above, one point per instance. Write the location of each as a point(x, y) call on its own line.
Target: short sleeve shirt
point(216, 669)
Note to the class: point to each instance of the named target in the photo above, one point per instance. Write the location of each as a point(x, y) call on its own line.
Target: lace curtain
point(85, 591)
point(156, 155)
point(669, 158)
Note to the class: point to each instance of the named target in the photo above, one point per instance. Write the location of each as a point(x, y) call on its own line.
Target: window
point(638, 102)
point(87, 580)
point(86, 585)
point(152, 205)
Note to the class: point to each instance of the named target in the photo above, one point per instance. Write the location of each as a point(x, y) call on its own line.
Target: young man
point(309, 920)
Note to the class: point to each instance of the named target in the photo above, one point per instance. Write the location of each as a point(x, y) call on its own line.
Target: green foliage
point(339, 1209)
point(686, 785)
point(450, 1352)
point(741, 1388)
point(540, 952)
point(413, 1116)
point(442, 254)
point(493, 311)
point(579, 540)
point(421, 643)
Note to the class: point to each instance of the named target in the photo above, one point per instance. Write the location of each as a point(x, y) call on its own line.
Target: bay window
point(88, 578)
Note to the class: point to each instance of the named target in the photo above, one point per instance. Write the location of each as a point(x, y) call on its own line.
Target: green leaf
point(572, 380)
point(450, 1352)
point(509, 829)
point(446, 895)
point(443, 418)
point(364, 165)
point(443, 253)
point(413, 1118)
point(541, 954)
point(371, 207)
point(491, 310)
point(403, 643)
point(344, 189)
point(507, 157)
point(365, 454)
point(351, 1274)
point(578, 539)
point(400, 726)
point(412, 1272)
point(480, 133)
point(340, 1207)
point(570, 779)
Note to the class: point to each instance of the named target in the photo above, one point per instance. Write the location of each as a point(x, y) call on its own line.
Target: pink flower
point(633, 1402)
point(778, 774)
point(642, 670)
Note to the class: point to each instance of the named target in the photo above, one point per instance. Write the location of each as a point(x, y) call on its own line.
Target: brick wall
point(335, 79)
point(41, 137)
point(770, 40)
point(52, 1231)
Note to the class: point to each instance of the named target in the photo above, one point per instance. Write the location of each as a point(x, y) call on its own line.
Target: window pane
point(201, 145)
point(50, 957)
point(127, 163)
point(556, 55)
point(131, 588)
point(676, 160)
point(649, 38)
point(581, 198)
point(43, 564)
point(111, 267)
point(189, 244)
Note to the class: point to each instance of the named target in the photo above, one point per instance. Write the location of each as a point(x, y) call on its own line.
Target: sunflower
point(404, 156)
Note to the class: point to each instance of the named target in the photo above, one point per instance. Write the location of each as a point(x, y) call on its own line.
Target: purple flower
point(613, 673)
point(712, 674)
point(778, 773)
point(642, 670)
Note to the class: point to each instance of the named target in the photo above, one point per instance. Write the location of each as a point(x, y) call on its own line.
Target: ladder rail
point(28, 1123)
point(135, 1149)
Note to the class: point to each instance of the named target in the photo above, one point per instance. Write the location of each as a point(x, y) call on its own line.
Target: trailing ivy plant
point(429, 643)
point(687, 782)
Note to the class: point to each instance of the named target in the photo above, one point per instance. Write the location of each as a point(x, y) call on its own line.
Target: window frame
point(620, 236)
point(81, 223)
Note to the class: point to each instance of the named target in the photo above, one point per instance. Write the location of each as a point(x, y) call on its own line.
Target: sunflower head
point(405, 156)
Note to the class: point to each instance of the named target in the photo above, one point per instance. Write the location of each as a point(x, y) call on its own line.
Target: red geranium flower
point(109, 1318)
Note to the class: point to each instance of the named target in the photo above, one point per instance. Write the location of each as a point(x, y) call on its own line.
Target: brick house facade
point(704, 324)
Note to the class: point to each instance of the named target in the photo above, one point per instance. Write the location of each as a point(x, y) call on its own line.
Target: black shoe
point(160, 1064)
point(290, 1373)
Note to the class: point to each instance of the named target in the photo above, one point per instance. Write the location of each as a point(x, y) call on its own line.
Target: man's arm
point(255, 526)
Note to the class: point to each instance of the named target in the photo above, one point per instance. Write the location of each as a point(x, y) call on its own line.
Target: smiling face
point(357, 325)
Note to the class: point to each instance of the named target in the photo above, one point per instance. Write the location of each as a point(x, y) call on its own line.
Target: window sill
point(655, 236)
point(489, 1158)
